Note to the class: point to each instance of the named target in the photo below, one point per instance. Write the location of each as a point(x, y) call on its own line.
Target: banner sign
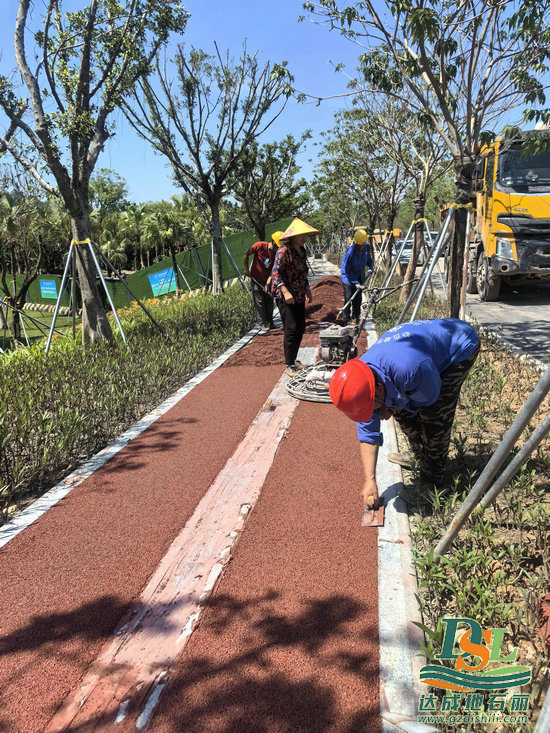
point(163, 282)
point(48, 289)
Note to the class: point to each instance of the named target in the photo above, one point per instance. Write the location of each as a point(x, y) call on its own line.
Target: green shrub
point(56, 411)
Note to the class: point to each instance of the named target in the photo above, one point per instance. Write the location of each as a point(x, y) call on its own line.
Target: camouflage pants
point(429, 430)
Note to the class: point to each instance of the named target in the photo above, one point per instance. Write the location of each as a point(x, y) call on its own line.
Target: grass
point(498, 568)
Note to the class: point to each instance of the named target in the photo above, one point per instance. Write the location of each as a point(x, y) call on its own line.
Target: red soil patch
point(328, 298)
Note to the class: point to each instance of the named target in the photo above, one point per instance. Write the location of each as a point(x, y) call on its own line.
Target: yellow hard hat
point(276, 236)
point(360, 236)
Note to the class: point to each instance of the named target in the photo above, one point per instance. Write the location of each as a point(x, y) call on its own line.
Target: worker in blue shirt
point(352, 273)
point(413, 372)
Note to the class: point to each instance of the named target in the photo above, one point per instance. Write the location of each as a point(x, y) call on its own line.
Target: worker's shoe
point(405, 460)
point(291, 371)
point(299, 365)
point(414, 500)
point(264, 330)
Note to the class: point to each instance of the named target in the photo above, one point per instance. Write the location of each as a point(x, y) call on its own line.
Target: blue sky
point(273, 29)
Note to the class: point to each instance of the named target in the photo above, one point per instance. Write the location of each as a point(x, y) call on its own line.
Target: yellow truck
point(510, 238)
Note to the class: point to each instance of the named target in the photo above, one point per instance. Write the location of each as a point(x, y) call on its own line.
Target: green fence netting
point(195, 270)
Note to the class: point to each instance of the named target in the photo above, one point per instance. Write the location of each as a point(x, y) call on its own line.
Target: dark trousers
point(294, 325)
point(263, 305)
point(429, 430)
point(355, 305)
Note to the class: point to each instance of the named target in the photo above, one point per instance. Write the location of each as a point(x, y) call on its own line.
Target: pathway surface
point(287, 640)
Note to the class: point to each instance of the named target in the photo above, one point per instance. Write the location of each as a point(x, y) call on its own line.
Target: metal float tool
point(373, 516)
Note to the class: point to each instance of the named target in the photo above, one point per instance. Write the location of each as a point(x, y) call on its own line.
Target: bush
point(56, 411)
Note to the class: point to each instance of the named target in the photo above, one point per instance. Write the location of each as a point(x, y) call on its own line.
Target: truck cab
point(511, 227)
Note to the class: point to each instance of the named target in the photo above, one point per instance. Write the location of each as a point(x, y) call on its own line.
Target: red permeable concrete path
point(289, 639)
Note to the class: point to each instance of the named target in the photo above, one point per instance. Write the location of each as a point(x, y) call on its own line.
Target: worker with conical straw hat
point(290, 287)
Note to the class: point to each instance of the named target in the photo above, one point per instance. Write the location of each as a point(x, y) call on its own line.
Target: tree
point(20, 254)
point(354, 160)
point(416, 147)
point(265, 183)
point(205, 125)
point(89, 60)
point(462, 64)
point(108, 192)
point(130, 230)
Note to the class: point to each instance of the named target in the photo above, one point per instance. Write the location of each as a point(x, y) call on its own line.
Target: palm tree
point(130, 229)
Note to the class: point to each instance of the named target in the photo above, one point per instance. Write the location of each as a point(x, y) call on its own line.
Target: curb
point(401, 655)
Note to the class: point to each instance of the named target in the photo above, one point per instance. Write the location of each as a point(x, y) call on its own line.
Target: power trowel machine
point(338, 344)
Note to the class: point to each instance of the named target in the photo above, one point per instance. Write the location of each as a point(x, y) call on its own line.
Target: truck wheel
point(488, 284)
point(471, 277)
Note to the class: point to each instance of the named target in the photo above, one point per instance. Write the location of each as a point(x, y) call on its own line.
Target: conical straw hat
point(297, 227)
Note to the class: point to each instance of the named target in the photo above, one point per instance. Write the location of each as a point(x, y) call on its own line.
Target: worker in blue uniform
point(352, 273)
point(413, 372)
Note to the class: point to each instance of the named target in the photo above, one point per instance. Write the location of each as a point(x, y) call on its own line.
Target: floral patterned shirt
point(290, 269)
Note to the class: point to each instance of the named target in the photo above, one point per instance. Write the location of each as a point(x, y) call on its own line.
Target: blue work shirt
point(409, 360)
point(352, 269)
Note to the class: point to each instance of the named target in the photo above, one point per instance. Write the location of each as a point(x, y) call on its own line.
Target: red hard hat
point(352, 390)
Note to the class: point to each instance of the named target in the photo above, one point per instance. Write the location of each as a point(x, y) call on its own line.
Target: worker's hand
point(309, 297)
point(369, 494)
point(246, 272)
point(288, 297)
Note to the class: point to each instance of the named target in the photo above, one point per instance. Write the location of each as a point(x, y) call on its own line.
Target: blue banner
point(48, 289)
point(163, 282)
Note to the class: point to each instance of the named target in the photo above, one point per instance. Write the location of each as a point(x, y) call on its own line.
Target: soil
point(327, 298)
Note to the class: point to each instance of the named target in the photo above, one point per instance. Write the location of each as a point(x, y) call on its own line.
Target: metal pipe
point(241, 279)
point(504, 479)
point(34, 320)
point(497, 459)
point(130, 292)
point(107, 293)
point(421, 285)
point(387, 279)
point(432, 242)
point(465, 265)
point(58, 302)
point(184, 278)
point(433, 258)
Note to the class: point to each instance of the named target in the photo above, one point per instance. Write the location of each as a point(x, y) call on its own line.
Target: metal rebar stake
point(495, 462)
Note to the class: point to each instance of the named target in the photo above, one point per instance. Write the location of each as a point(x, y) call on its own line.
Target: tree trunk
point(463, 193)
point(175, 268)
point(389, 226)
point(95, 324)
point(217, 286)
point(419, 205)
point(260, 231)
